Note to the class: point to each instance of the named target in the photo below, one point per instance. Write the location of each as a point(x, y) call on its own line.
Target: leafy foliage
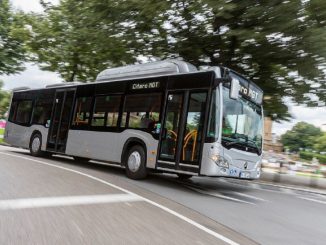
point(310, 155)
point(68, 39)
point(4, 101)
point(278, 44)
point(302, 136)
point(320, 143)
point(12, 38)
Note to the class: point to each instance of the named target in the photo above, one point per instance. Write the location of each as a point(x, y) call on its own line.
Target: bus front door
point(182, 134)
point(61, 117)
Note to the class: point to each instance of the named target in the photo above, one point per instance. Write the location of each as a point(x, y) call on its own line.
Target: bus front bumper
point(234, 172)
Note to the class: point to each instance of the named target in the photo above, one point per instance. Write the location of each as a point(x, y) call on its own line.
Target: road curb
point(5, 144)
point(297, 188)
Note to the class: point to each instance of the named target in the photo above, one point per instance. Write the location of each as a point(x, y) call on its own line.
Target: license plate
point(245, 175)
point(234, 172)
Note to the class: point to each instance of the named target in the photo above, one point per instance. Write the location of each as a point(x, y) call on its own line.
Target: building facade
point(271, 141)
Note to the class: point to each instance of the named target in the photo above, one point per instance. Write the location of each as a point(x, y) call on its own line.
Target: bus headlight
point(220, 161)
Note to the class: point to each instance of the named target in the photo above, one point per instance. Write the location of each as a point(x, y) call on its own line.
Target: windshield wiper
point(242, 141)
point(234, 142)
point(255, 144)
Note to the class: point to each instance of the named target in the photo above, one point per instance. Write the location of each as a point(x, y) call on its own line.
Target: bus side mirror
point(235, 89)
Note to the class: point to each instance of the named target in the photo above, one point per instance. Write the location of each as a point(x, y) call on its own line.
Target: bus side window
point(142, 111)
point(106, 111)
point(42, 111)
point(213, 120)
point(82, 111)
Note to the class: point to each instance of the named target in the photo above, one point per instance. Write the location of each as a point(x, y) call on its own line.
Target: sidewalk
point(294, 181)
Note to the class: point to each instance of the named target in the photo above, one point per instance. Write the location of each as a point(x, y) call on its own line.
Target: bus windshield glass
point(242, 123)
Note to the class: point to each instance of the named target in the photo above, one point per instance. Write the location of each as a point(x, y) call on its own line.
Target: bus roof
point(157, 68)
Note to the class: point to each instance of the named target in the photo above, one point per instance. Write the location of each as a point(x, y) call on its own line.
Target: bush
point(310, 155)
point(1, 134)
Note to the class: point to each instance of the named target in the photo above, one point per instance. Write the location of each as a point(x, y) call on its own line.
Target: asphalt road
point(59, 201)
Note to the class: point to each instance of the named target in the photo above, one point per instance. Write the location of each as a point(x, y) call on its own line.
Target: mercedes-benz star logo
point(245, 165)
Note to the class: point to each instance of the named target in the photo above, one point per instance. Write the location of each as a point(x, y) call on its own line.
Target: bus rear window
point(24, 111)
point(13, 111)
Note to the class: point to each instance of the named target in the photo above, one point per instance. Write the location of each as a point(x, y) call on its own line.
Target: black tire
point(81, 159)
point(184, 176)
point(136, 168)
point(35, 145)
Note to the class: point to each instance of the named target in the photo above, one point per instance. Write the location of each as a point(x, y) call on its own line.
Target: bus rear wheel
point(35, 145)
point(135, 162)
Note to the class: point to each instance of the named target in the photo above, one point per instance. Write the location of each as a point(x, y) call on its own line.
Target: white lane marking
point(252, 185)
point(250, 196)
point(215, 194)
point(288, 191)
point(292, 188)
point(170, 211)
point(313, 200)
point(42, 202)
point(322, 196)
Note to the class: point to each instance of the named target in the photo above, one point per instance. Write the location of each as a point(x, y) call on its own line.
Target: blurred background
point(280, 45)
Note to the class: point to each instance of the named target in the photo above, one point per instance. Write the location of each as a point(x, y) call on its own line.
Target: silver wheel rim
point(134, 161)
point(36, 144)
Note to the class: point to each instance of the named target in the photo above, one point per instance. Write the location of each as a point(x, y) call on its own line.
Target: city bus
point(165, 116)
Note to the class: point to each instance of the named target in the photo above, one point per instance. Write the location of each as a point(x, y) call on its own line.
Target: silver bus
point(164, 116)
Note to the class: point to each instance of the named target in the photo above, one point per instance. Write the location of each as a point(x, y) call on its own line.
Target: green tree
point(12, 39)
point(320, 143)
point(66, 39)
point(282, 53)
point(302, 136)
point(4, 101)
point(277, 44)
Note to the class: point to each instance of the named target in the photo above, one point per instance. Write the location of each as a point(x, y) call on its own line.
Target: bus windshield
point(242, 123)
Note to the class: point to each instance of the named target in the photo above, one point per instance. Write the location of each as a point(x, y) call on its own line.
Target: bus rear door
point(61, 118)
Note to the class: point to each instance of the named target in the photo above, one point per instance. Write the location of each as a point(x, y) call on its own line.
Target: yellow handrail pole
point(194, 147)
point(174, 133)
point(186, 139)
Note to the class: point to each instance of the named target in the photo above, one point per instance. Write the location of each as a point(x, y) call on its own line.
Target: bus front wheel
point(135, 163)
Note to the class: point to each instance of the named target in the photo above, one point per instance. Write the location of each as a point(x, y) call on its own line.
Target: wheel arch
point(130, 143)
point(39, 152)
point(33, 134)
